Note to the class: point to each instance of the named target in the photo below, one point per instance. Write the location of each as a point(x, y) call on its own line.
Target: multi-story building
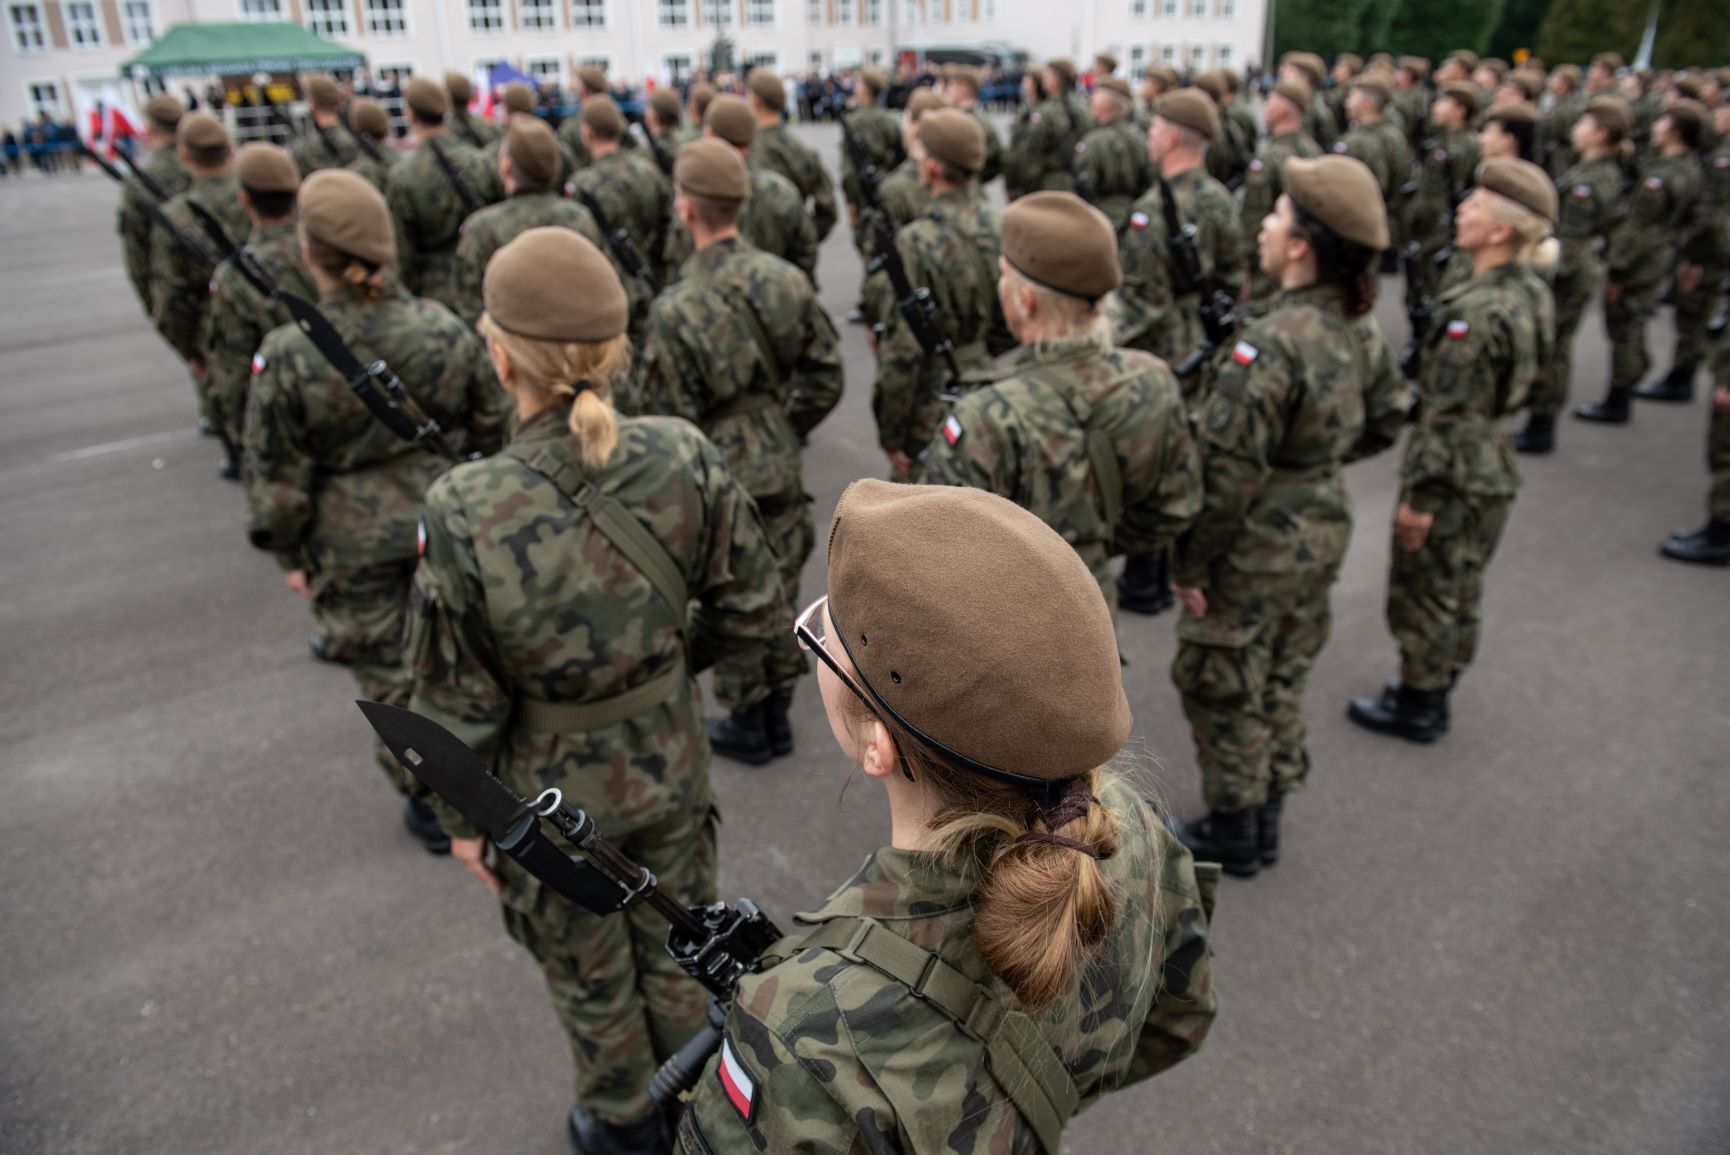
point(62, 55)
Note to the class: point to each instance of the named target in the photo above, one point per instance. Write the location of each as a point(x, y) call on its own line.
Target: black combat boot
point(1537, 436)
point(1227, 837)
point(1415, 715)
point(1144, 587)
point(1612, 410)
point(320, 649)
point(592, 1136)
point(1267, 827)
point(778, 724)
point(1676, 385)
point(1709, 545)
point(742, 735)
point(418, 818)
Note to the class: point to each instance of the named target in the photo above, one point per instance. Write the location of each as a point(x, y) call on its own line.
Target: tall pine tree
point(1434, 28)
point(1577, 30)
point(1326, 27)
point(1692, 33)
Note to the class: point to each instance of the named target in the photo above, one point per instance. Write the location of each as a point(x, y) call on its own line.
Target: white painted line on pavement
point(122, 446)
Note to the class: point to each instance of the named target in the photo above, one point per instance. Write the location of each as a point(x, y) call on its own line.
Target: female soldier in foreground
point(332, 492)
point(549, 632)
point(1032, 938)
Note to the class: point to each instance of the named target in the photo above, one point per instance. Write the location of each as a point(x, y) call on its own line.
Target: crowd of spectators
point(45, 144)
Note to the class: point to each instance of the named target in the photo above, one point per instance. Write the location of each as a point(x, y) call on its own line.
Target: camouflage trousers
point(743, 680)
point(361, 615)
point(1573, 293)
point(1625, 321)
point(1244, 700)
point(1718, 449)
point(1435, 596)
point(625, 1005)
point(1694, 313)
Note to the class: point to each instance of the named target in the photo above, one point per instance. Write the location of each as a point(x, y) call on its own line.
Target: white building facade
point(62, 55)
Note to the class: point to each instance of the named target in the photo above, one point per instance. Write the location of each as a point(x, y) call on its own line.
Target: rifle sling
point(1028, 1071)
point(458, 184)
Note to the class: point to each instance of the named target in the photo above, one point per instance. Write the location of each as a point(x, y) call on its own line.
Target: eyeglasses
point(812, 631)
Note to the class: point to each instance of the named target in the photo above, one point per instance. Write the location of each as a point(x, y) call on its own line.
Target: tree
point(1378, 20)
point(1519, 26)
point(1326, 27)
point(1434, 28)
point(1577, 30)
point(1692, 33)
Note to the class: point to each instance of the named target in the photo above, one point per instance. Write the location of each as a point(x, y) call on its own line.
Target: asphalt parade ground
point(217, 937)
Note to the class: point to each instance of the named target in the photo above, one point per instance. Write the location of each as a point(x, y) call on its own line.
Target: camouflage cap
point(954, 137)
point(519, 97)
point(164, 111)
point(426, 99)
point(368, 115)
point(602, 117)
point(766, 86)
point(701, 95)
point(593, 79)
point(533, 149)
point(1118, 87)
point(1058, 240)
point(553, 284)
point(1522, 182)
point(922, 101)
point(1463, 94)
point(1104, 63)
point(1297, 94)
point(664, 103)
point(1342, 193)
point(712, 169)
point(1064, 67)
point(323, 94)
point(977, 627)
point(732, 120)
point(266, 168)
point(1612, 115)
point(343, 210)
point(1190, 109)
point(201, 132)
point(460, 88)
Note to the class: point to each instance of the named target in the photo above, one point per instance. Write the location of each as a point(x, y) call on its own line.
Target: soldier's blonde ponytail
point(556, 368)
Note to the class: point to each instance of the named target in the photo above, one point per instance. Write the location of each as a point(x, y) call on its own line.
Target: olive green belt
point(581, 717)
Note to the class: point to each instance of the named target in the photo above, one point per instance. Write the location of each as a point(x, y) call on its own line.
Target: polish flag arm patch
point(1245, 353)
point(952, 431)
point(1138, 221)
point(420, 538)
point(736, 1082)
point(1457, 330)
point(257, 364)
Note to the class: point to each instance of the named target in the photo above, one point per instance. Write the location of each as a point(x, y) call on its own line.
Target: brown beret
point(1416, 65)
point(1522, 182)
point(701, 95)
point(1568, 72)
point(732, 120)
point(1118, 87)
point(426, 99)
point(533, 149)
point(1466, 55)
point(1688, 114)
point(1058, 240)
point(1351, 60)
point(1611, 115)
point(1343, 194)
point(1510, 112)
point(1530, 86)
point(965, 75)
point(978, 627)
point(519, 97)
point(1210, 83)
point(164, 111)
point(874, 79)
point(712, 169)
point(1064, 67)
point(368, 115)
point(344, 210)
point(266, 168)
point(1464, 95)
point(664, 103)
point(1166, 78)
point(461, 89)
point(1688, 87)
point(1376, 84)
point(1294, 92)
point(1192, 110)
point(1499, 67)
point(922, 101)
point(1105, 62)
point(952, 135)
point(1311, 63)
point(552, 284)
point(592, 78)
point(603, 117)
point(1610, 60)
point(323, 94)
point(201, 132)
point(766, 86)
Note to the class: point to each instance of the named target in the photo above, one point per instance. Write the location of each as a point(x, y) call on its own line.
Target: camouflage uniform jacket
point(1113, 158)
point(1479, 360)
point(780, 151)
point(496, 226)
point(1399, 159)
point(993, 167)
point(1714, 212)
point(518, 597)
point(376, 171)
point(328, 486)
point(1229, 153)
point(879, 132)
point(1156, 316)
point(1368, 143)
point(1042, 159)
point(1556, 134)
point(774, 220)
point(182, 291)
point(702, 361)
point(901, 199)
point(1447, 169)
point(1659, 222)
point(135, 224)
point(1283, 408)
point(241, 317)
point(953, 251)
point(333, 147)
point(473, 131)
point(1319, 122)
point(429, 214)
point(1413, 105)
point(843, 1059)
point(632, 195)
point(1025, 436)
point(1590, 210)
point(1264, 182)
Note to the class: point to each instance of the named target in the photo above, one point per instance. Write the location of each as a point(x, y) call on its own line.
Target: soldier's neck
point(425, 132)
point(1490, 258)
point(1178, 163)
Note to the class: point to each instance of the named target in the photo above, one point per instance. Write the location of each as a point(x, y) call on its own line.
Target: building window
point(873, 13)
point(678, 67)
point(813, 11)
point(136, 19)
point(1168, 53)
point(27, 30)
point(674, 13)
point(990, 10)
point(1198, 8)
point(546, 69)
point(1197, 55)
point(1138, 9)
point(538, 15)
point(327, 18)
point(486, 15)
point(1168, 7)
point(1227, 9)
point(44, 95)
point(83, 27)
point(718, 13)
point(816, 60)
point(261, 9)
point(588, 13)
point(1222, 56)
point(843, 11)
point(759, 11)
point(386, 18)
point(875, 56)
point(1137, 63)
point(762, 59)
point(600, 62)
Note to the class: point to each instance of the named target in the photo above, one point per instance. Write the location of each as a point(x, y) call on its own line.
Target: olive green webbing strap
point(1100, 454)
point(1027, 1068)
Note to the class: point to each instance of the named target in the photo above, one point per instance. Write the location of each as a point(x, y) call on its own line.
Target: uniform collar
point(1321, 296)
point(709, 259)
point(901, 885)
point(550, 424)
point(1058, 351)
point(272, 229)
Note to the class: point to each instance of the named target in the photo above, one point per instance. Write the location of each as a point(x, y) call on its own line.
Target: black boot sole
point(1718, 560)
point(1672, 398)
point(1377, 725)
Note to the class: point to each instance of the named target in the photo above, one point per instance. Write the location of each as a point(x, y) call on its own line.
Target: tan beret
point(701, 95)
point(461, 89)
point(954, 136)
point(1352, 61)
point(922, 101)
point(552, 284)
point(603, 117)
point(1058, 240)
point(1310, 63)
point(664, 102)
point(1209, 83)
point(712, 169)
point(1688, 115)
point(343, 210)
point(1416, 65)
point(519, 97)
point(1463, 94)
point(1166, 78)
point(323, 94)
point(426, 99)
point(1531, 87)
point(1466, 56)
point(1105, 62)
point(1377, 84)
point(1499, 67)
point(533, 149)
point(1297, 94)
point(201, 132)
point(732, 120)
point(978, 627)
point(1610, 60)
point(1192, 110)
point(965, 75)
point(592, 78)
point(1343, 194)
point(1511, 112)
point(164, 111)
point(1064, 67)
point(368, 115)
point(1688, 87)
point(874, 79)
point(1118, 87)
point(266, 168)
point(1569, 73)
point(1611, 115)
point(766, 86)
point(1522, 182)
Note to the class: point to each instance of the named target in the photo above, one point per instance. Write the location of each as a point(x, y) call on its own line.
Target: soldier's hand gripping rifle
point(716, 944)
point(152, 202)
point(374, 385)
point(1215, 304)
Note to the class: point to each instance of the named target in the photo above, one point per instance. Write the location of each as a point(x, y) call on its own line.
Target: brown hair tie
point(1075, 804)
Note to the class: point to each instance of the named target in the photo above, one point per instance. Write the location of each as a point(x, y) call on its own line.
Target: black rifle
point(280, 112)
point(374, 385)
point(1423, 310)
point(864, 166)
point(716, 944)
point(1215, 305)
point(153, 204)
point(465, 127)
point(663, 158)
point(150, 183)
point(619, 239)
point(472, 202)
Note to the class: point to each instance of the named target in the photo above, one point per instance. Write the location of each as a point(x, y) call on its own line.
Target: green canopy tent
point(239, 49)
